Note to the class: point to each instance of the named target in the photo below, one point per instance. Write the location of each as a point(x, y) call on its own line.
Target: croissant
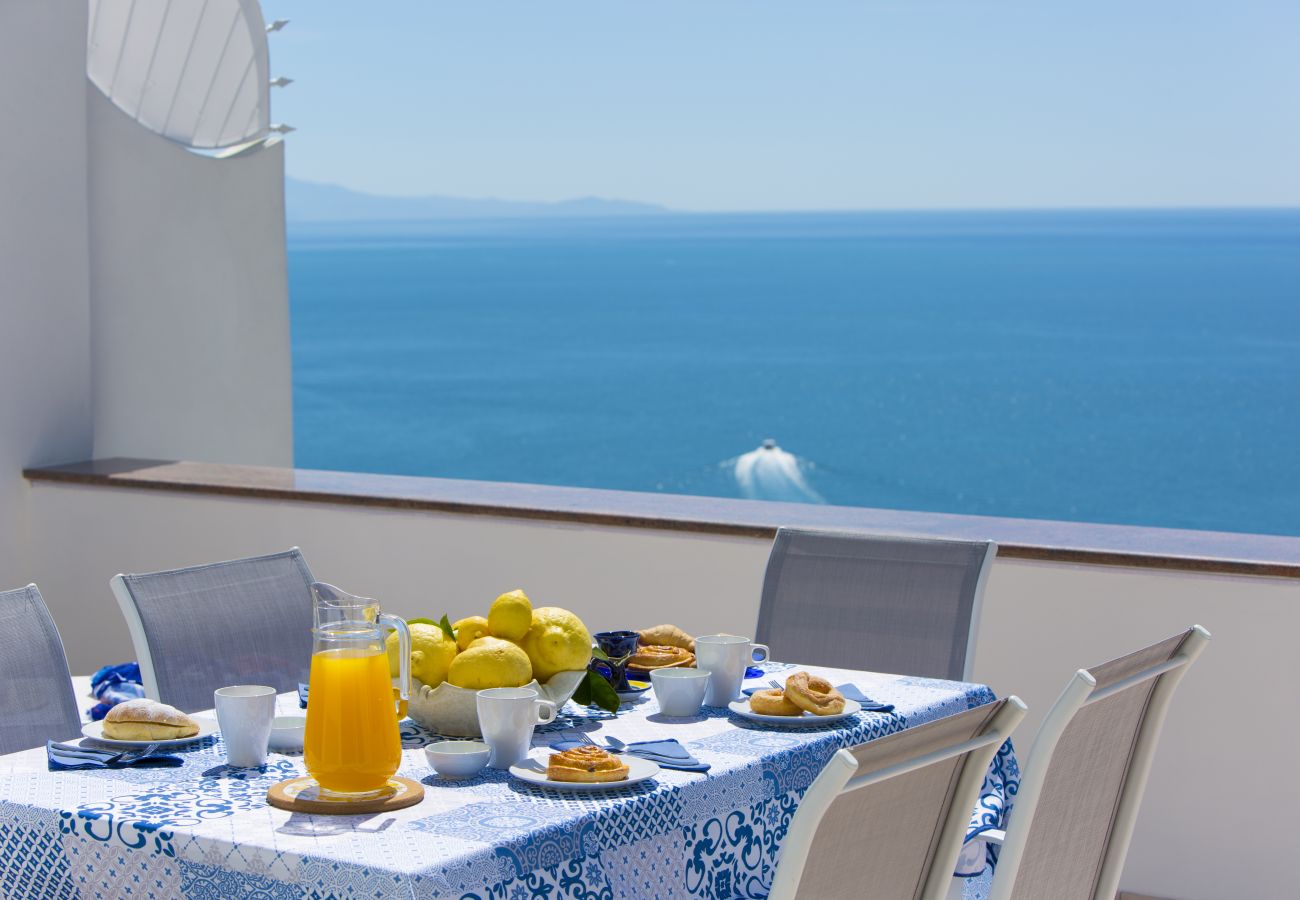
point(667, 636)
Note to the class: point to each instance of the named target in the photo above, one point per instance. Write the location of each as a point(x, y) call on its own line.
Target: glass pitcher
point(352, 746)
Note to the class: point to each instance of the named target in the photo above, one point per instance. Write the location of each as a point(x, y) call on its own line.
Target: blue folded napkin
point(117, 674)
point(69, 757)
point(850, 692)
point(668, 753)
point(302, 695)
point(115, 684)
point(110, 695)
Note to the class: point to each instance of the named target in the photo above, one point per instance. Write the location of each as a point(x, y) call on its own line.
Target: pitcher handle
point(403, 652)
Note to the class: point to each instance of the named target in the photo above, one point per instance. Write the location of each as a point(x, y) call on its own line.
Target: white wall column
point(45, 399)
point(189, 297)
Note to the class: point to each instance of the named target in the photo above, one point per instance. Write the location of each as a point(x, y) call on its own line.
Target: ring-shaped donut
point(814, 694)
point(773, 702)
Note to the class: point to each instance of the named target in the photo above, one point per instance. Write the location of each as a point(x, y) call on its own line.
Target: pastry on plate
point(667, 636)
point(586, 764)
point(773, 702)
point(147, 720)
point(654, 656)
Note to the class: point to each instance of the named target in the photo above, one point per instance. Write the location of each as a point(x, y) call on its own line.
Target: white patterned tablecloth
point(205, 830)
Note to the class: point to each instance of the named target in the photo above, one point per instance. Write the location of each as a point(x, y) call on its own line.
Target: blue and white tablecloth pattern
point(205, 831)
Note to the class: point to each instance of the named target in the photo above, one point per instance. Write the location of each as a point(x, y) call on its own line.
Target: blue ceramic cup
point(618, 646)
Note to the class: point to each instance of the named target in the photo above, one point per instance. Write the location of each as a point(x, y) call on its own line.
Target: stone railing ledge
point(1071, 542)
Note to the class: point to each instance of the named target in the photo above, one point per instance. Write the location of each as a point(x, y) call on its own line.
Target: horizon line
point(768, 211)
point(656, 208)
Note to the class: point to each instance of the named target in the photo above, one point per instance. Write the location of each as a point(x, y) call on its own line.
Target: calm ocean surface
point(1129, 367)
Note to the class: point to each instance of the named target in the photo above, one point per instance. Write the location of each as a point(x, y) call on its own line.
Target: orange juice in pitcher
point(352, 746)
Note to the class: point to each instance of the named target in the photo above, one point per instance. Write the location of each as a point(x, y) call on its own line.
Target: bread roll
point(667, 636)
point(147, 720)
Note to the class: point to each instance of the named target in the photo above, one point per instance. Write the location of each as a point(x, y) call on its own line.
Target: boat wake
point(770, 473)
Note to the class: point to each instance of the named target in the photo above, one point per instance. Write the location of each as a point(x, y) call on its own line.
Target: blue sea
point(1127, 367)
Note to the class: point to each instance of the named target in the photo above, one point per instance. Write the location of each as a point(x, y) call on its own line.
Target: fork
point(127, 757)
point(612, 741)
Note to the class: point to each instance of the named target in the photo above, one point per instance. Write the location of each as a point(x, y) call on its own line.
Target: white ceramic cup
point(244, 714)
point(507, 717)
point(679, 691)
point(725, 657)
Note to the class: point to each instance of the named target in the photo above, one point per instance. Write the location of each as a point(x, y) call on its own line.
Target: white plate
point(533, 771)
point(95, 731)
point(741, 708)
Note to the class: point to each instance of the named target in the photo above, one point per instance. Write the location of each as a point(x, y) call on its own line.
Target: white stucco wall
point(1217, 821)
point(189, 298)
point(45, 400)
point(143, 304)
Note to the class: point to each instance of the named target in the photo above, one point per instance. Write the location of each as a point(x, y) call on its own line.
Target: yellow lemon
point(469, 630)
point(431, 654)
point(490, 662)
point(557, 641)
point(511, 616)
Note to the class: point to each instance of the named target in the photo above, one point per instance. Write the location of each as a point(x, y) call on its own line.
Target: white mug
point(725, 657)
point(244, 714)
point(507, 717)
point(679, 691)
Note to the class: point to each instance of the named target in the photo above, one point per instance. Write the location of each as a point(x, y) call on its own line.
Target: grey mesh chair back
point(36, 699)
point(887, 819)
point(886, 604)
point(1082, 785)
point(246, 621)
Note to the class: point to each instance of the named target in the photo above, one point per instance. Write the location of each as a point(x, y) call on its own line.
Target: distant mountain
point(308, 201)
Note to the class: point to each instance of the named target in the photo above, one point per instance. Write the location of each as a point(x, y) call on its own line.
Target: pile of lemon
point(509, 648)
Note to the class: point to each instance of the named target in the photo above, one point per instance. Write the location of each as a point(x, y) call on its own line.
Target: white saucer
point(741, 708)
point(636, 693)
point(95, 731)
point(533, 771)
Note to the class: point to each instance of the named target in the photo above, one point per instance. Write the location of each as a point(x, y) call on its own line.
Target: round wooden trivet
point(302, 795)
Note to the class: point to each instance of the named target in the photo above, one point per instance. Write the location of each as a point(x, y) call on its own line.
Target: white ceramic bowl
point(458, 759)
point(680, 692)
point(287, 733)
point(452, 710)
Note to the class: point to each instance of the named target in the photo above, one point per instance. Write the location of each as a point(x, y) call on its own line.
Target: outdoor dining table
point(205, 830)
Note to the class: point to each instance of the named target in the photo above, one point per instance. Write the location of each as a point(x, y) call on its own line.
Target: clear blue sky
point(828, 104)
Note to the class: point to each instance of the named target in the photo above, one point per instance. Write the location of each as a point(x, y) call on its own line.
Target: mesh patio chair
point(246, 621)
point(1069, 832)
point(886, 604)
point(887, 819)
point(36, 699)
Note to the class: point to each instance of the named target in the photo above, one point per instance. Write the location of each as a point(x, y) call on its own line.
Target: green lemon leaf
point(582, 696)
point(598, 653)
point(421, 621)
point(602, 692)
point(445, 625)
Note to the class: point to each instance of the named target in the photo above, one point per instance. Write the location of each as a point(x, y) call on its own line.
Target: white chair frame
point(841, 775)
point(135, 625)
point(1079, 692)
